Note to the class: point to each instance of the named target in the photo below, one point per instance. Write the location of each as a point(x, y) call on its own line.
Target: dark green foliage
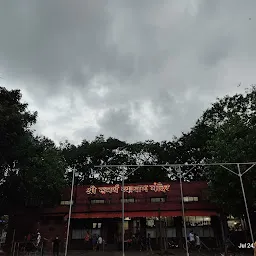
point(31, 168)
point(232, 124)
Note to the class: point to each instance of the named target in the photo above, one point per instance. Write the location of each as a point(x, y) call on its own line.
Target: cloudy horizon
point(133, 70)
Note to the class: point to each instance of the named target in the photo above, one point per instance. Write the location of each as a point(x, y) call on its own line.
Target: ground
point(134, 253)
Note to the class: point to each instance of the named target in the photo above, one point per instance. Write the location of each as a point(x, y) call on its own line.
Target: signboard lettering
point(156, 187)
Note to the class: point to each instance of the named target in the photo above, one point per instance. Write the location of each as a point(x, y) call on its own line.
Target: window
point(190, 199)
point(78, 233)
point(96, 225)
point(66, 202)
point(192, 221)
point(169, 221)
point(136, 226)
point(150, 222)
point(166, 221)
point(128, 200)
point(202, 231)
point(157, 199)
point(120, 227)
point(97, 201)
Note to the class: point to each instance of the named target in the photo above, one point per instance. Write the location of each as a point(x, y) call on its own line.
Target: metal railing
point(26, 248)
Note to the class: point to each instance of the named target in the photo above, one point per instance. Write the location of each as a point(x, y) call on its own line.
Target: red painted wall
point(173, 199)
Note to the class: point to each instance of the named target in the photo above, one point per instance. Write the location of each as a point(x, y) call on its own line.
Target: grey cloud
point(54, 40)
point(138, 51)
point(219, 50)
point(119, 123)
point(88, 133)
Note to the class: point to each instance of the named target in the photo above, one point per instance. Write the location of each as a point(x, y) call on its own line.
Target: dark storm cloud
point(51, 41)
point(121, 120)
point(162, 60)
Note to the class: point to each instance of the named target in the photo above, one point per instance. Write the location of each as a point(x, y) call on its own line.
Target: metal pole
point(170, 165)
point(42, 248)
point(160, 230)
point(123, 249)
point(13, 238)
point(183, 212)
point(221, 216)
point(70, 210)
point(14, 249)
point(245, 202)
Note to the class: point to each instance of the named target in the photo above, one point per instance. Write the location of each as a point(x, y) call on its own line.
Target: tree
point(100, 151)
point(234, 142)
point(32, 168)
point(146, 153)
point(231, 124)
point(15, 122)
point(111, 151)
point(224, 133)
point(39, 175)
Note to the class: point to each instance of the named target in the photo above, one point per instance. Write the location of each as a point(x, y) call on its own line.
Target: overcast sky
point(131, 69)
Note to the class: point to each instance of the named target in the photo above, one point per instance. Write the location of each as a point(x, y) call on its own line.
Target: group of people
point(97, 241)
point(194, 239)
point(36, 240)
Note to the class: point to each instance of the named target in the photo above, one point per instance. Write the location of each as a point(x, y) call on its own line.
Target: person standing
point(94, 242)
point(100, 243)
point(28, 237)
point(148, 244)
point(56, 246)
point(44, 241)
point(197, 241)
point(87, 237)
point(191, 237)
point(38, 239)
point(142, 242)
point(87, 240)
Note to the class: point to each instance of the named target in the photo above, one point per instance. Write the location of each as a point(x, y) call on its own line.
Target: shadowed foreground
point(134, 253)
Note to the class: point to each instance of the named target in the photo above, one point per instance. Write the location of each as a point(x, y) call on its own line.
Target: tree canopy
point(233, 141)
point(15, 121)
point(225, 133)
point(31, 168)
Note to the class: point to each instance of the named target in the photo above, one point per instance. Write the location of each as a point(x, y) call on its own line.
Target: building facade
point(154, 209)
